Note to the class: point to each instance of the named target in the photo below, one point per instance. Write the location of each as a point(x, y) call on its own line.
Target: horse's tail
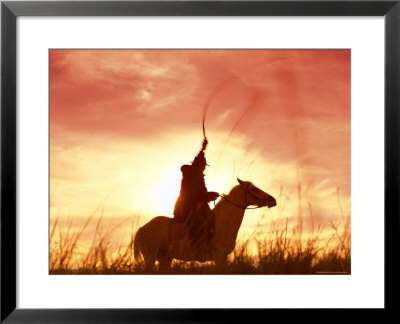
point(138, 244)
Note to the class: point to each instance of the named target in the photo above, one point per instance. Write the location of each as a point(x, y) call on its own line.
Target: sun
point(164, 193)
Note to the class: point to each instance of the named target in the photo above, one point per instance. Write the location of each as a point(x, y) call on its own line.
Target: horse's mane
point(219, 203)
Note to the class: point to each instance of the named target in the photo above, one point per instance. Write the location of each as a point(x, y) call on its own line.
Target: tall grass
point(273, 248)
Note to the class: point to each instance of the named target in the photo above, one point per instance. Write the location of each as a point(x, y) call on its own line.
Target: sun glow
point(164, 194)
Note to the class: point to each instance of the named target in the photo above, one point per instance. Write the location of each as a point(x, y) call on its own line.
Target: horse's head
point(255, 196)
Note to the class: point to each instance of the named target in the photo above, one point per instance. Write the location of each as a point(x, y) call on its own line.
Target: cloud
point(121, 119)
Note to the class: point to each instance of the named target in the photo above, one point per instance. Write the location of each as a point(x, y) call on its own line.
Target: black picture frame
point(10, 10)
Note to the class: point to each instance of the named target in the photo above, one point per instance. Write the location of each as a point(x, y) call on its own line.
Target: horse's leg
point(155, 249)
point(149, 260)
point(165, 264)
point(221, 261)
point(165, 260)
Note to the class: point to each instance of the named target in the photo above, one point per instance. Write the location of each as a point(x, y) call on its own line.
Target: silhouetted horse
point(163, 240)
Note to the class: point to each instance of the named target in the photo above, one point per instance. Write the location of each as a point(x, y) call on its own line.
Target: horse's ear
point(240, 181)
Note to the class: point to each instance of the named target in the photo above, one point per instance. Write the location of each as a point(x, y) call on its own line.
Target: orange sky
point(122, 122)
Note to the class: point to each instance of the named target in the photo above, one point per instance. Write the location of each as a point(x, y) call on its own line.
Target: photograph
point(199, 161)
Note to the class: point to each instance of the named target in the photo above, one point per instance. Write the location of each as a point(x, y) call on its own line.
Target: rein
point(236, 205)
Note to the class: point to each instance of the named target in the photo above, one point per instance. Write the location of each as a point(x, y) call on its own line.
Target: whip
point(209, 100)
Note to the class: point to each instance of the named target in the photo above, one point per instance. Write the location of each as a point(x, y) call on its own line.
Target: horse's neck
point(228, 217)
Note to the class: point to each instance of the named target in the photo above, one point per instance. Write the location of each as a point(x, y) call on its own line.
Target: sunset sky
point(122, 122)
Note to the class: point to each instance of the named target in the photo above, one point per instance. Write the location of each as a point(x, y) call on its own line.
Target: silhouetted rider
point(192, 203)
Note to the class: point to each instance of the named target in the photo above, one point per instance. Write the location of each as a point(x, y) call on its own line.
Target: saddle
point(198, 229)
